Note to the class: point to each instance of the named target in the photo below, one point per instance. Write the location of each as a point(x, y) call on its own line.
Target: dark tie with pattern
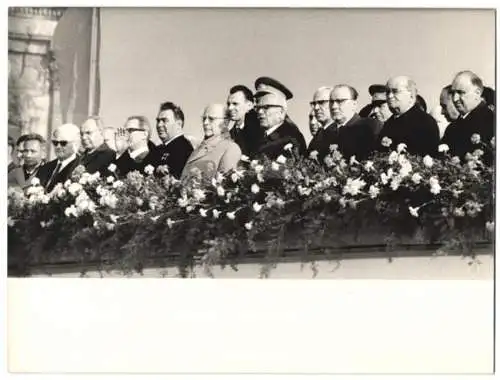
point(53, 176)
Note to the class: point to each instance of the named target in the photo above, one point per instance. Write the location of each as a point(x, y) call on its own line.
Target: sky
point(192, 56)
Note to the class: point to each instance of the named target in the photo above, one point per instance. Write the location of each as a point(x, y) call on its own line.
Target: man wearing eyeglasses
point(138, 155)
point(352, 133)
point(409, 124)
point(175, 148)
point(66, 141)
point(97, 155)
point(279, 131)
point(243, 126)
point(217, 152)
point(475, 117)
point(320, 107)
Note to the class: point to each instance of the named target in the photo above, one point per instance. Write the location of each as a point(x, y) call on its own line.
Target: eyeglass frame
point(62, 143)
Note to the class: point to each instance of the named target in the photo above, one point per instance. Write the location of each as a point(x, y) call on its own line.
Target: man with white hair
point(279, 131)
point(475, 117)
point(409, 124)
point(97, 155)
point(66, 141)
point(217, 152)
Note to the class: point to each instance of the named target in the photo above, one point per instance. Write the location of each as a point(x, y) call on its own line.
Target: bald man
point(97, 155)
point(320, 107)
point(475, 117)
point(217, 152)
point(66, 141)
point(409, 124)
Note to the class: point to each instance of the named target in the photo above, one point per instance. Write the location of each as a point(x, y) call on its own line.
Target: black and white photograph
point(251, 144)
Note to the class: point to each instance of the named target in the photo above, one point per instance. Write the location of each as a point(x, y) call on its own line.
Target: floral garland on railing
point(122, 223)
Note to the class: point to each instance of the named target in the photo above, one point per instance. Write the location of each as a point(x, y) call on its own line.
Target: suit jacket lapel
point(203, 149)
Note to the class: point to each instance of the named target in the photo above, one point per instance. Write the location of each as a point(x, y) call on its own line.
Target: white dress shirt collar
point(272, 129)
point(172, 139)
point(137, 152)
point(65, 162)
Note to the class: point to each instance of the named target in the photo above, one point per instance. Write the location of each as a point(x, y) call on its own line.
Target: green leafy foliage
point(262, 208)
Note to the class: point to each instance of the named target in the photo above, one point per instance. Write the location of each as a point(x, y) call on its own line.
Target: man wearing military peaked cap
point(271, 107)
point(377, 92)
point(378, 108)
point(270, 84)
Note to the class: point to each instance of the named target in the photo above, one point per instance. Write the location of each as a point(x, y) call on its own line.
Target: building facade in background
point(32, 86)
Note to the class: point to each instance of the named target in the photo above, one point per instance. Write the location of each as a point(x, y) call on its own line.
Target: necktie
point(53, 176)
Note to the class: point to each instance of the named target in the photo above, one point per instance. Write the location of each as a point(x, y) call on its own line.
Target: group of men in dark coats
point(259, 124)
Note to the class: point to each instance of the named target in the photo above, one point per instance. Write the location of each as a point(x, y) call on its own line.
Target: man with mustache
point(475, 117)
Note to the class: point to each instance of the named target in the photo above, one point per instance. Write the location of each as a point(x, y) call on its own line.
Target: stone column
point(32, 86)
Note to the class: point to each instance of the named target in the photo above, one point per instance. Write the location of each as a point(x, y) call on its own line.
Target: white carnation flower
point(369, 165)
point(35, 181)
point(182, 202)
point(313, 155)
point(475, 138)
point(220, 191)
point(71, 211)
point(374, 191)
point(416, 178)
point(353, 186)
point(428, 161)
point(74, 188)
point(118, 184)
point(435, 186)
point(112, 168)
point(406, 169)
point(386, 141)
point(413, 211)
point(281, 159)
point(401, 147)
point(443, 148)
point(149, 169)
point(199, 194)
point(275, 166)
point(257, 207)
point(249, 225)
point(255, 188)
point(393, 157)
